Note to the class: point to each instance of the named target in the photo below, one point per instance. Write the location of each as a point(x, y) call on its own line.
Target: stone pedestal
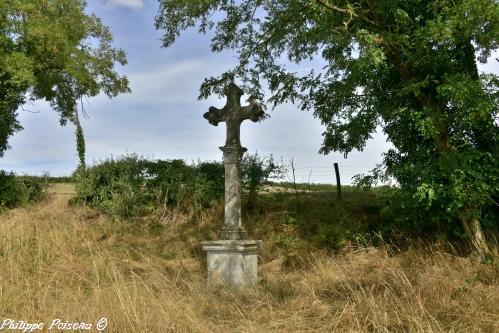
point(232, 262)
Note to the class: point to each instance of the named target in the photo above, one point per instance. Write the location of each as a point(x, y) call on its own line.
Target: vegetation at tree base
point(53, 50)
point(408, 67)
point(20, 190)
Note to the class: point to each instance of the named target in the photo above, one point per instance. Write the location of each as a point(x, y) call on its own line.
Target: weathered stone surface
point(232, 262)
point(233, 114)
point(232, 228)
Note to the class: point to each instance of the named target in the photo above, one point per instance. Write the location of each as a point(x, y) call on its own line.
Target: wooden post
point(338, 182)
point(294, 178)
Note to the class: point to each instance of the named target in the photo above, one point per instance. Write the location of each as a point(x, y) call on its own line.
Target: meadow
point(72, 262)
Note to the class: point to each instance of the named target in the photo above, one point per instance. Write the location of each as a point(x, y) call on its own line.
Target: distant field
point(62, 189)
point(73, 263)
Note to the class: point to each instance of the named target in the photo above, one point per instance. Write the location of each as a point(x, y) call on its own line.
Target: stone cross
point(233, 114)
point(232, 260)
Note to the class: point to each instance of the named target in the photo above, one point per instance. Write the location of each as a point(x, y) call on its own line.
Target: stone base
point(232, 262)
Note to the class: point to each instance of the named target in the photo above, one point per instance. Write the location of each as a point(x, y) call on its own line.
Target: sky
point(162, 118)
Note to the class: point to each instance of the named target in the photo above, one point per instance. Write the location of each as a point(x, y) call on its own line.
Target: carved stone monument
point(232, 260)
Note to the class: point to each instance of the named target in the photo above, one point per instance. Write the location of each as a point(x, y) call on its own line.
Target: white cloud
point(133, 4)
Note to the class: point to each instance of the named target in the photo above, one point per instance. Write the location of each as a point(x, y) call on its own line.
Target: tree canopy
point(53, 50)
point(408, 67)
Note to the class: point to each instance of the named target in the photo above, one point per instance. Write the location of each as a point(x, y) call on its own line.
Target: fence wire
point(325, 174)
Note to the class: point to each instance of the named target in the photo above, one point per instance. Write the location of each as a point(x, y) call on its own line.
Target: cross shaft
point(233, 114)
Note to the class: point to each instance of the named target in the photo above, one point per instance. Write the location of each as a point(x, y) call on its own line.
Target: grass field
point(71, 263)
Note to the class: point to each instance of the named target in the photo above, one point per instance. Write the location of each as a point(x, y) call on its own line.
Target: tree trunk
point(473, 230)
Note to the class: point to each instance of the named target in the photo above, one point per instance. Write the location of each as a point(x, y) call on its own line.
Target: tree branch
point(347, 11)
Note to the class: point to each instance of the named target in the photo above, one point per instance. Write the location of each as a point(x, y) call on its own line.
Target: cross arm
point(214, 115)
point(253, 111)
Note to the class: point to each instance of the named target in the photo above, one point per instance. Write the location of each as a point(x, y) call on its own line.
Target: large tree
point(407, 66)
point(53, 50)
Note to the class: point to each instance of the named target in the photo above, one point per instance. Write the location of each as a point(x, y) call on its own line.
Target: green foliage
point(20, 190)
point(53, 50)
point(407, 67)
point(130, 187)
point(80, 143)
point(8, 115)
point(112, 186)
point(214, 174)
point(257, 172)
point(187, 187)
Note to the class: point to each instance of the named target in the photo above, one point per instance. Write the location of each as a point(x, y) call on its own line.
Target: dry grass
point(71, 263)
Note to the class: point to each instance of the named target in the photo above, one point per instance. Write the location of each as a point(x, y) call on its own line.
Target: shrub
point(187, 187)
point(131, 186)
point(256, 172)
point(114, 187)
point(36, 187)
point(214, 173)
point(20, 190)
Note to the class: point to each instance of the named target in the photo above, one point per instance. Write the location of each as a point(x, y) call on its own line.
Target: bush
point(112, 187)
point(187, 187)
point(20, 190)
point(131, 186)
point(256, 172)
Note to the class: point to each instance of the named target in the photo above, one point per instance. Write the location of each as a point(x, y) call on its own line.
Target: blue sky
point(162, 117)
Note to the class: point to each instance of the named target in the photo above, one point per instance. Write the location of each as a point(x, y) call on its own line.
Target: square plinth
point(232, 262)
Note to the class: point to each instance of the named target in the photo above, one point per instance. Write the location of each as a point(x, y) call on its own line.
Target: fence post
point(294, 178)
point(338, 182)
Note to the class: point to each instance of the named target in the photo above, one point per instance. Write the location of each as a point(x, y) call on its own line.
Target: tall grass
point(72, 263)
